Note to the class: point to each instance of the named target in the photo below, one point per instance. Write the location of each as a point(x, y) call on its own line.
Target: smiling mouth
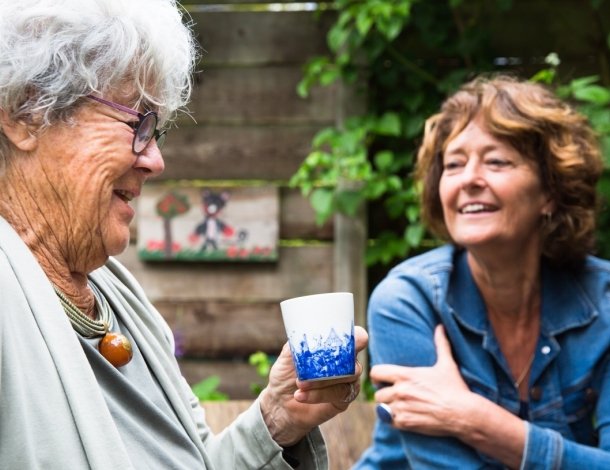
point(126, 196)
point(476, 208)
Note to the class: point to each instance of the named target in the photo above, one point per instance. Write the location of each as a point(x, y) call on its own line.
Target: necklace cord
point(523, 374)
point(84, 325)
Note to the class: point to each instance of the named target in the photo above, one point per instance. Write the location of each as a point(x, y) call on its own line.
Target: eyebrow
point(460, 150)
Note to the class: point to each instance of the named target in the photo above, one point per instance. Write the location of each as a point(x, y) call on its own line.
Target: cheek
point(446, 192)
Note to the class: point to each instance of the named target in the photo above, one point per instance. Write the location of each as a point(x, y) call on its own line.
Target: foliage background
point(407, 56)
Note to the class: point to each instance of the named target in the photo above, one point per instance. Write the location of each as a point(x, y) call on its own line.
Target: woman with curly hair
point(492, 350)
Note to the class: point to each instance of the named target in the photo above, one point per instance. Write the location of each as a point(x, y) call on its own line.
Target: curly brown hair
point(545, 130)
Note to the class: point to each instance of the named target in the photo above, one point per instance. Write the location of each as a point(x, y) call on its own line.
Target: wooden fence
point(249, 127)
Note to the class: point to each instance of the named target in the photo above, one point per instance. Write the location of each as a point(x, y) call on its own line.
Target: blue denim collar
point(565, 304)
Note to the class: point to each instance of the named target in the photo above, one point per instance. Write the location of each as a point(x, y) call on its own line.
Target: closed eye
point(498, 162)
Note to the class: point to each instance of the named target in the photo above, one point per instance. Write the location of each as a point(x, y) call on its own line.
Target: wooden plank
point(224, 329)
point(236, 152)
point(347, 435)
point(261, 37)
point(259, 95)
point(349, 259)
point(236, 376)
point(298, 219)
point(299, 271)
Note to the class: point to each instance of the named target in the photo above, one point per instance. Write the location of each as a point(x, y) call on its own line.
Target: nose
point(472, 176)
point(150, 161)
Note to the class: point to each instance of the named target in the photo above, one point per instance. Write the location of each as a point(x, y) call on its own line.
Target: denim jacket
point(567, 421)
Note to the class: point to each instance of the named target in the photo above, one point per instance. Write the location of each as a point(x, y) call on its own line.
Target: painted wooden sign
point(208, 224)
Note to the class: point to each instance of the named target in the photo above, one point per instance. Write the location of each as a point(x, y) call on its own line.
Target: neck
point(22, 207)
point(509, 286)
point(511, 290)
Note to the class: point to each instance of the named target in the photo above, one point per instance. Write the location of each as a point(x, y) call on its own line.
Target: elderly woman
point(87, 373)
point(511, 319)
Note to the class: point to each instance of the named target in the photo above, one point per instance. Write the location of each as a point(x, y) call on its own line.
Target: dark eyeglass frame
point(143, 131)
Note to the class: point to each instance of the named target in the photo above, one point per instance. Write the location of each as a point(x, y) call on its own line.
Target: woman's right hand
point(426, 400)
point(436, 401)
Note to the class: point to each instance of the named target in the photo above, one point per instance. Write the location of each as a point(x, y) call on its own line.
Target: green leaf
point(349, 201)
point(336, 38)
point(376, 188)
point(363, 22)
point(322, 201)
point(414, 235)
point(544, 76)
point(329, 76)
point(384, 159)
point(593, 94)
point(414, 125)
point(394, 183)
point(413, 213)
point(324, 136)
point(583, 81)
point(393, 28)
point(260, 360)
point(206, 389)
point(388, 124)
point(303, 87)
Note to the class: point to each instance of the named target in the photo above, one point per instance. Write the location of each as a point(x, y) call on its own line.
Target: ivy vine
point(406, 56)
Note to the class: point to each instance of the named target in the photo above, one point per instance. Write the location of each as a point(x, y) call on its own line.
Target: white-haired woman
point(87, 373)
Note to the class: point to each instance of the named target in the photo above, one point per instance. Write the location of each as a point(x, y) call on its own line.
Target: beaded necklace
point(115, 347)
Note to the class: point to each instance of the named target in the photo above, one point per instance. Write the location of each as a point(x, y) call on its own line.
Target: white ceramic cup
point(320, 330)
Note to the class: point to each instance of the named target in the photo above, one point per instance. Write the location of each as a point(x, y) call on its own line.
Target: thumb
point(443, 347)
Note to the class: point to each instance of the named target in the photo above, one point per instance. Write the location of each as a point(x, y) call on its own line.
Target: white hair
point(54, 52)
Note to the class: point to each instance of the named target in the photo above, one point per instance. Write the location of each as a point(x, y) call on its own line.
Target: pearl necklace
point(115, 347)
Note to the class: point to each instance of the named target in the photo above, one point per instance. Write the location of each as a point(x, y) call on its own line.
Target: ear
point(549, 207)
point(21, 135)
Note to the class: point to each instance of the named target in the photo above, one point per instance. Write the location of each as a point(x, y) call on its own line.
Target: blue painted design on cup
point(325, 357)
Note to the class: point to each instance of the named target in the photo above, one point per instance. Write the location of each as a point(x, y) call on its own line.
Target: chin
point(116, 245)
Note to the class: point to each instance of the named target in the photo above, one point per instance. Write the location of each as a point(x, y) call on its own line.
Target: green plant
point(207, 389)
point(408, 56)
point(262, 363)
point(593, 100)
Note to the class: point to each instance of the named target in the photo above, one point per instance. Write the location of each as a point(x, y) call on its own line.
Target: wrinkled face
point(490, 193)
point(86, 176)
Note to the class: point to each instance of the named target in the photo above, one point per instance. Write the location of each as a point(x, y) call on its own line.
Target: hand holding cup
point(312, 386)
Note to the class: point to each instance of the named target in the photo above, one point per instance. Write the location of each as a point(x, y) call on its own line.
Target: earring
point(547, 217)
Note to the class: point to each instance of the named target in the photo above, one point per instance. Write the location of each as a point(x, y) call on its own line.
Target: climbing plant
point(405, 57)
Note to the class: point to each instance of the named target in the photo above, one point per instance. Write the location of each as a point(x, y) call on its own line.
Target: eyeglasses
point(144, 130)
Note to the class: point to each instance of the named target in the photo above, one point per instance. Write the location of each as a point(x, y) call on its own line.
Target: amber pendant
point(116, 348)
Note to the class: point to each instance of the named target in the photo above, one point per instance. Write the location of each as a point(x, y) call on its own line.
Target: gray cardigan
point(52, 412)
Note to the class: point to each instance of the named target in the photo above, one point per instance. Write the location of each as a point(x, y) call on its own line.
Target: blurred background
point(325, 102)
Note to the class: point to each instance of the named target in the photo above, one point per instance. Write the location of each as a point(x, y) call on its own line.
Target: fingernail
point(384, 412)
